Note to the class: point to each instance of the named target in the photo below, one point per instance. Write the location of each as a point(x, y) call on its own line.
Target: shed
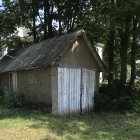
point(61, 72)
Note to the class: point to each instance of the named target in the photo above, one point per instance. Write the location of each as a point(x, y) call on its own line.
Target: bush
point(5, 97)
point(117, 98)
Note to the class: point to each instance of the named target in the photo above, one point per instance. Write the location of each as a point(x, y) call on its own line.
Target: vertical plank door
point(69, 82)
point(88, 84)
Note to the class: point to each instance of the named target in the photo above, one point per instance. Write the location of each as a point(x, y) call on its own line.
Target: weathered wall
point(54, 83)
point(35, 85)
point(79, 55)
point(5, 81)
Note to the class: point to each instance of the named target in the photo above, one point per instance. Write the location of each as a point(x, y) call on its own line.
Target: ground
point(34, 124)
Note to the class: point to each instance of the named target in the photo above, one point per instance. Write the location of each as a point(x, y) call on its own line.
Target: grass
point(31, 124)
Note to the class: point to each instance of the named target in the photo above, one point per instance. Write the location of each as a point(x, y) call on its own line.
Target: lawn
point(31, 124)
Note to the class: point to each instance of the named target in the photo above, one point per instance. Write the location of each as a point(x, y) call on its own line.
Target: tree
point(111, 43)
point(135, 39)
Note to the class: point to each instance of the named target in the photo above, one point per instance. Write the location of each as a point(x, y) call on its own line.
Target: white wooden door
point(88, 88)
point(69, 82)
point(75, 90)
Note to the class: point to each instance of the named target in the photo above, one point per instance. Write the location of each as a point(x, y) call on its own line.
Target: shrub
point(117, 98)
point(5, 97)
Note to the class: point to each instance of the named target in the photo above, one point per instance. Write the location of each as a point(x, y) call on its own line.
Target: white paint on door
point(75, 90)
point(88, 83)
point(69, 90)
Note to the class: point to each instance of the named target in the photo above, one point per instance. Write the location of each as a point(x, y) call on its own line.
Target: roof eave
point(94, 53)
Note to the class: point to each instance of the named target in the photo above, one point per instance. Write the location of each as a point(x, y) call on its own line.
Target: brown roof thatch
point(43, 54)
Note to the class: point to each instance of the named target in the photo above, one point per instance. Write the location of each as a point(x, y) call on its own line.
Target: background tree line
point(115, 23)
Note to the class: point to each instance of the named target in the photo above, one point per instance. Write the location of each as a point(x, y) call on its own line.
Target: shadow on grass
point(92, 127)
point(95, 126)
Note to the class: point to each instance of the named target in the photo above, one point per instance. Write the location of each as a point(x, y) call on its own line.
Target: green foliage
point(13, 16)
point(95, 21)
point(118, 98)
point(5, 97)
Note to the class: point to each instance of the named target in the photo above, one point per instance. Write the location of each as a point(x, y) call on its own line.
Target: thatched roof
point(43, 54)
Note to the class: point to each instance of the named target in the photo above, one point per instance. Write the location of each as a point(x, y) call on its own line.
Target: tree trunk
point(124, 36)
point(49, 18)
point(110, 44)
point(34, 20)
point(123, 54)
point(133, 52)
point(59, 17)
point(111, 57)
point(45, 19)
